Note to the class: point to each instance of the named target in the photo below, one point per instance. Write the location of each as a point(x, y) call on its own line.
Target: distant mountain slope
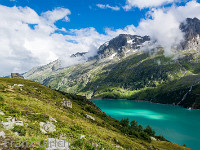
point(30, 111)
point(124, 69)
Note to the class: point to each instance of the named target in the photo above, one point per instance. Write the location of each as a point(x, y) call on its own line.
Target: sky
point(37, 32)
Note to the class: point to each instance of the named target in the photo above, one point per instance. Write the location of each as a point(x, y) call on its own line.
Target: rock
point(2, 134)
point(2, 113)
point(95, 144)
point(153, 138)
point(67, 104)
point(19, 85)
point(89, 117)
point(19, 123)
point(82, 136)
point(63, 136)
point(9, 119)
point(11, 123)
point(121, 44)
point(47, 127)
point(16, 75)
point(52, 119)
point(191, 29)
point(53, 144)
point(8, 125)
point(16, 133)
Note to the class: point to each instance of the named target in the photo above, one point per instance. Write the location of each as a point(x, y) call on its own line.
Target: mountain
point(125, 69)
point(32, 112)
point(121, 45)
point(191, 28)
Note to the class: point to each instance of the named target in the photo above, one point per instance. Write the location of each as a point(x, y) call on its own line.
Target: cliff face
point(191, 28)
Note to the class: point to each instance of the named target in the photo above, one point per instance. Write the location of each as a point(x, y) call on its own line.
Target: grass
point(35, 103)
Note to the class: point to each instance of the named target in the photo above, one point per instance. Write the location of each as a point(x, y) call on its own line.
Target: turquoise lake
point(176, 124)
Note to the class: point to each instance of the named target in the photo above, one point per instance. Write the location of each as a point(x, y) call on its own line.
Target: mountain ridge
point(124, 69)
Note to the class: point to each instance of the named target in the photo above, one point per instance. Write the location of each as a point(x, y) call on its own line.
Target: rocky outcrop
point(2, 113)
point(191, 28)
point(46, 127)
point(79, 54)
point(67, 104)
point(89, 117)
point(121, 45)
point(16, 75)
point(11, 123)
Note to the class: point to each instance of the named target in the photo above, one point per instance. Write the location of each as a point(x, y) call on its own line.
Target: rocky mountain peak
point(79, 54)
point(121, 45)
point(191, 28)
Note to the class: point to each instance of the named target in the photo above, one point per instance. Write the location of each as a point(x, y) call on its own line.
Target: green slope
point(33, 103)
point(140, 76)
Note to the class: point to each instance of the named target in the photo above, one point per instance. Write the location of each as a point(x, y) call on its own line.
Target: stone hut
point(16, 75)
point(67, 104)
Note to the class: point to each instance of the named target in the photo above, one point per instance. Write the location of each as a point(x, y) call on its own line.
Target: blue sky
point(37, 32)
point(85, 13)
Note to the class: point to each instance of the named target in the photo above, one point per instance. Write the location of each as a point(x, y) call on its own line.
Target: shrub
point(83, 144)
point(149, 131)
point(38, 117)
point(19, 98)
point(20, 129)
point(2, 87)
point(1, 98)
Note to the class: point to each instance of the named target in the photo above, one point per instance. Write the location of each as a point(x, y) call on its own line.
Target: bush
point(149, 131)
point(83, 144)
point(1, 98)
point(20, 130)
point(2, 87)
point(38, 117)
point(19, 98)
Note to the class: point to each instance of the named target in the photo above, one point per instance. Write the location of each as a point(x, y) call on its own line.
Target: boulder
point(19, 85)
point(52, 119)
point(67, 104)
point(8, 125)
point(47, 127)
point(2, 134)
point(2, 113)
point(89, 117)
point(11, 123)
point(153, 138)
point(16, 75)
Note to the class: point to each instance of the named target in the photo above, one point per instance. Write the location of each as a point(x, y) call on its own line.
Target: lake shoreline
point(93, 99)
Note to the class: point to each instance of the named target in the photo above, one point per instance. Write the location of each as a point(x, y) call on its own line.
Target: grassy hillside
point(34, 103)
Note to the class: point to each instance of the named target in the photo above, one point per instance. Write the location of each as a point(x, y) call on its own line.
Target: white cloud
point(56, 14)
point(163, 24)
point(28, 39)
point(146, 3)
point(102, 6)
point(130, 29)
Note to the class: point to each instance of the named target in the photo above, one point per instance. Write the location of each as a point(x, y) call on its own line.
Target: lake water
point(176, 124)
